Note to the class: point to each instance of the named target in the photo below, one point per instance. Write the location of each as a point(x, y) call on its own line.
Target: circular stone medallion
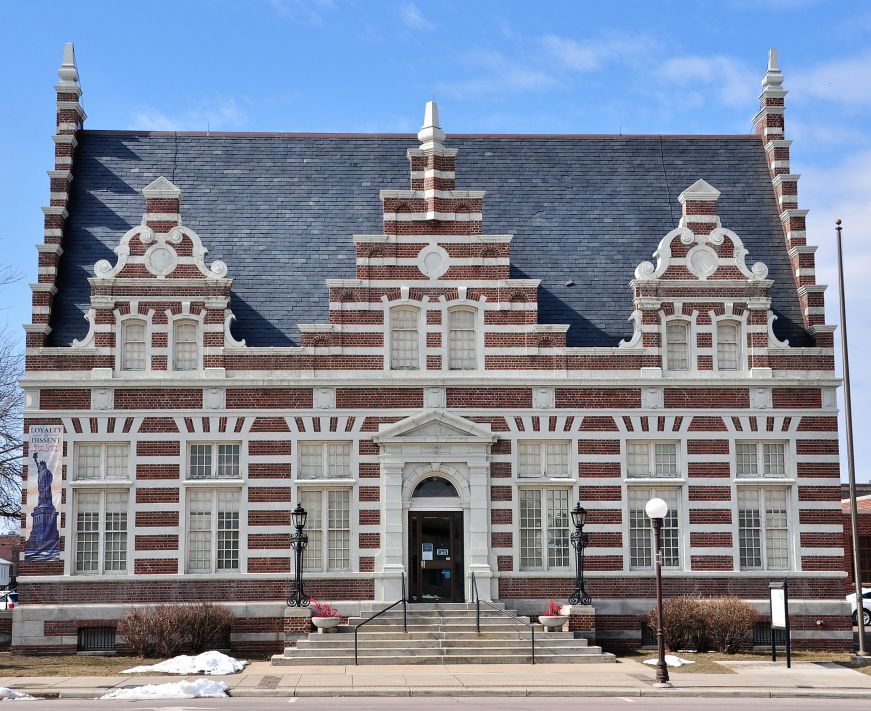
point(433, 261)
point(160, 260)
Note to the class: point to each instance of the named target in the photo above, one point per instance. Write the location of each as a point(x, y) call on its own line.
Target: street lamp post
point(579, 541)
point(656, 510)
point(851, 467)
point(299, 541)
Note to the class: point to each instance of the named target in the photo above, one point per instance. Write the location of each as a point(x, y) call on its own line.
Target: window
point(651, 459)
point(462, 353)
point(545, 458)
point(324, 460)
point(677, 340)
point(404, 339)
point(107, 460)
point(185, 349)
point(101, 532)
point(328, 528)
point(641, 533)
point(728, 347)
point(213, 461)
point(213, 530)
point(760, 459)
point(133, 345)
point(95, 639)
point(544, 528)
point(763, 536)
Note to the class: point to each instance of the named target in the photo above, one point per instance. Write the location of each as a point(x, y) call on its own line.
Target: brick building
point(437, 373)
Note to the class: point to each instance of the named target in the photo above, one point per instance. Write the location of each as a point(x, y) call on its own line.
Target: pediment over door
point(435, 426)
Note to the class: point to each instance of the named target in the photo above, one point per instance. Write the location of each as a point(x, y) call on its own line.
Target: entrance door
point(436, 556)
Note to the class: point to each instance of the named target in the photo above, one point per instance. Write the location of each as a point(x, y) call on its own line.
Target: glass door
point(436, 556)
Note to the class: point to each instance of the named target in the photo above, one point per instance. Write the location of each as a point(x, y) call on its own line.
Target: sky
point(495, 67)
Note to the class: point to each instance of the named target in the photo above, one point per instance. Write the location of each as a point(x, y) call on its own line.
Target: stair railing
point(403, 601)
point(479, 602)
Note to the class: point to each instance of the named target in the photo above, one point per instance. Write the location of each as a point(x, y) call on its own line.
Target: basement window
point(96, 639)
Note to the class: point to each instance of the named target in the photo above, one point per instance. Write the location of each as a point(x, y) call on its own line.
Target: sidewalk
point(626, 678)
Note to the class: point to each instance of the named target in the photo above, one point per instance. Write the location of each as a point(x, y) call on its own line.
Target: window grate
point(762, 635)
point(96, 639)
point(648, 636)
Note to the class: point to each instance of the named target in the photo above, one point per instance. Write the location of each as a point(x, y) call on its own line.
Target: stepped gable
point(282, 211)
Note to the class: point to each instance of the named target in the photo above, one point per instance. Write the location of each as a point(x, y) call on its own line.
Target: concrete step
point(399, 635)
point(307, 644)
point(291, 660)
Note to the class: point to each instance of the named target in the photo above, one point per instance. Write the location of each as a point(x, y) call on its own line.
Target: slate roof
point(280, 210)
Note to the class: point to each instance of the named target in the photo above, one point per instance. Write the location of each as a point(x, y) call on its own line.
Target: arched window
point(677, 345)
point(133, 345)
point(185, 346)
point(728, 345)
point(404, 338)
point(435, 487)
point(462, 353)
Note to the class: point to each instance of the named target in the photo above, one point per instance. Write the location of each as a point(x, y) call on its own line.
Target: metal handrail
point(478, 602)
point(403, 601)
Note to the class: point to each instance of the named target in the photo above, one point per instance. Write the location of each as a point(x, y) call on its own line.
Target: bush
point(170, 630)
point(730, 623)
point(682, 624)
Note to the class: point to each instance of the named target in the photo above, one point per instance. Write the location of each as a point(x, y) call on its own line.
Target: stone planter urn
point(552, 623)
point(326, 624)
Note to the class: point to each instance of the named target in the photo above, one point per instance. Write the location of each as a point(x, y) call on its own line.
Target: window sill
point(655, 480)
point(101, 483)
point(764, 480)
point(215, 483)
point(534, 481)
point(325, 482)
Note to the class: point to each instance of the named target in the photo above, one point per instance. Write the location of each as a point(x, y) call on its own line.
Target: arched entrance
point(435, 542)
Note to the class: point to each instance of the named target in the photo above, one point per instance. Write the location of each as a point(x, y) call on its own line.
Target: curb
point(483, 691)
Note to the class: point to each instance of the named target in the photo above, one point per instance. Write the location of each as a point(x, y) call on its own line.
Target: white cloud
point(843, 81)
point(590, 55)
point(499, 74)
point(305, 12)
point(732, 82)
point(411, 17)
point(219, 116)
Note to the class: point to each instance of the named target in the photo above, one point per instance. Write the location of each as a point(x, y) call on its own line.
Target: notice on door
point(426, 551)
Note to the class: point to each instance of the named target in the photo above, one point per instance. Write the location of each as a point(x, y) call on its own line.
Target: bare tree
point(11, 420)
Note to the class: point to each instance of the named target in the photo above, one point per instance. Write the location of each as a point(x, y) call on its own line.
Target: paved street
point(461, 704)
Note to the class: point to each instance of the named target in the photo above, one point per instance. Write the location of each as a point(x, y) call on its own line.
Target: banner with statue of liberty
point(45, 462)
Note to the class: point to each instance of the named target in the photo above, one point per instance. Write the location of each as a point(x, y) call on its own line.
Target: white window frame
point(789, 468)
point(651, 459)
point(390, 309)
point(789, 528)
point(740, 361)
point(461, 303)
point(315, 486)
point(175, 320)
point(325, 464)
point(104, 459)
point(544, 529)
point(122, 323)
point(689, 321)
point(241, 531)
point(101, 531)
point(476, 334)
point(542, 470)
point(213, 467)
point(655, 489)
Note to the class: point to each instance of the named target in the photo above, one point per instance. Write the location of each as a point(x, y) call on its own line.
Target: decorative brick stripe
point(155, 399)
point(272, 398)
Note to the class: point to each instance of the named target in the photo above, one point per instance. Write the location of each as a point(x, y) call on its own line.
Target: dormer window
point(728, 345)
point(185, 346)
point(404, 338)
point(133, 345)
point(677, 346)
point(462, 353)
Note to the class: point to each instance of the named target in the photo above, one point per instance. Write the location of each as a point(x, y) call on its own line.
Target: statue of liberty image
point(44, 540)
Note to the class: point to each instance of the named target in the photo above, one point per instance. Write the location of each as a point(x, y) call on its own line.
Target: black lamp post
point(299, 541)
point(579, 542)
point(656, 510)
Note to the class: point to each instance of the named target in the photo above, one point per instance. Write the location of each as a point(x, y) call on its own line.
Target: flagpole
point(851, 470)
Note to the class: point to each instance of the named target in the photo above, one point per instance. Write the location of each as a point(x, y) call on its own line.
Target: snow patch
point(671, 661)
point(197, 689)
point(205, 663)
point(7, 694)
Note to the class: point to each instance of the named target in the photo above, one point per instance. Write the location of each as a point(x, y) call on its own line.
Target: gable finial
point(68, 72)
point(773, 79)
point(431, 134)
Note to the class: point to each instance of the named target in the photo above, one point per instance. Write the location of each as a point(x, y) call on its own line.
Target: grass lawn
point(66, 665)
point(708, 663)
